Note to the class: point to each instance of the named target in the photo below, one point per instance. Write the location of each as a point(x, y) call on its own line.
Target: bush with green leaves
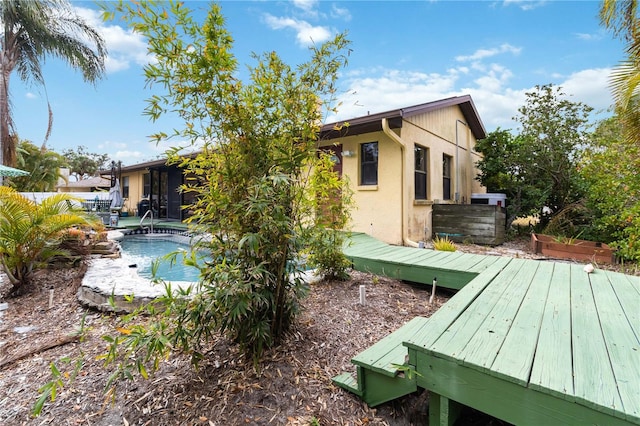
point(251, 181)
point(31, 233)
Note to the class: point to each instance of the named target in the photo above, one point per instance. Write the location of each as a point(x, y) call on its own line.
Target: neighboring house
point(400, 162)
point(153, 184)
point(95, 183)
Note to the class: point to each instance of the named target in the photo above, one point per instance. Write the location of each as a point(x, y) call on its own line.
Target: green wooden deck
point(528, 342)
point(453, 270)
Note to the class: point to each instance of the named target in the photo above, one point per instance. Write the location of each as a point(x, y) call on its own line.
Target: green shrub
point(31, 233)
point(443, 244)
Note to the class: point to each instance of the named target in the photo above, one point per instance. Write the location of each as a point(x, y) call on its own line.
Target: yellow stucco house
point(401, 162)
point(398, 163)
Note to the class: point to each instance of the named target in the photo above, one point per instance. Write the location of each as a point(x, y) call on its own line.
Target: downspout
point(403, 208)
point(457, 171)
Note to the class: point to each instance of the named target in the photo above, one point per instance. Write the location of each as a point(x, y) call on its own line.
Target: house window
point(146, 185)
point(369, 163)
point(446, 177)
point(420, 174)
point(125, 187)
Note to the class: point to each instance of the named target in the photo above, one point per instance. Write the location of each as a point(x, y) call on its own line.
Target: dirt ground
point(293, 386)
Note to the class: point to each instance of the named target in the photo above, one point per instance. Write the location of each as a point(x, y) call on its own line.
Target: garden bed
point(574, 249)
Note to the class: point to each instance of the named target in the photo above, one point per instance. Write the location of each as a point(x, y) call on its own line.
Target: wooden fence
point(473, 223)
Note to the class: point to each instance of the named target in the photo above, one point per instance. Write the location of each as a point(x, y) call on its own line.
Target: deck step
point(347, 382)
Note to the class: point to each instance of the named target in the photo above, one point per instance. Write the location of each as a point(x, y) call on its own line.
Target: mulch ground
point(293, 386)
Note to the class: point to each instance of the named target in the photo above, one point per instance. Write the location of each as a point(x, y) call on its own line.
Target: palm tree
point(43, 166)
point(31, 233)
point(621, 17)
point(33, 30)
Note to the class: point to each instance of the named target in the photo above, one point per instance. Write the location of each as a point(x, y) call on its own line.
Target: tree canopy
point(84, 164)
point(537, 168)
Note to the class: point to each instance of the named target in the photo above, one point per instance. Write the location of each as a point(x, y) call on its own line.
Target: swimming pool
point(143, 250)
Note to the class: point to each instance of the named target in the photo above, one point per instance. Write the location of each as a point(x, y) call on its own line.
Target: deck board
point(594, 381)
point(483, 347)
point(629, 299)
point(514, 360)
point(551, 370)
point(620, 342)
point(455, 337)
point(449, 312)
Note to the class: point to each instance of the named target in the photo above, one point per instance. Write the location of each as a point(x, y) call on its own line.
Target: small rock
point(24, 329)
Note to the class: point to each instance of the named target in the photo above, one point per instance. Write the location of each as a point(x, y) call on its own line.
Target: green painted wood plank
point(449, 262)
point(448, 313)
point(628, 297)
point(484, 263)
point(389, 350)
point(452, 343)
point(468, 262)
point(503, 399)
point(437, 259)
point(380, 388)
point(622, 344)
point(418, 274)
point(552, 370)
point(515, 357)
point(486, 342)
point(406, 255)
point(347, 382)
point(594, 381)
point(367, 250)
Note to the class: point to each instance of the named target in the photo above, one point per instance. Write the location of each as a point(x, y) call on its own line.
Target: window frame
point(420, 173)
point(369, 166)
point(125, 186)
point(446, 176)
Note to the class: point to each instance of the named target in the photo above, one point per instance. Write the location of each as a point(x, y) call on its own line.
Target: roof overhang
point(373, 122)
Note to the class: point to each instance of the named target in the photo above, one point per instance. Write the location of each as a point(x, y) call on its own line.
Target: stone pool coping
point(111, 285)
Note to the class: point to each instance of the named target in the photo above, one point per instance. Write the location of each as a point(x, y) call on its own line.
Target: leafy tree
point(31, 233)
point(84, 164)
point(501, 171)
point(537, 168)
point(555, 131)
point(610, 167)
point(31, 32)
point(43, 166)
point(253, 198)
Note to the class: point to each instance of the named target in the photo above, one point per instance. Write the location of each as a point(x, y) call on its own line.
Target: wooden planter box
point(581, 250)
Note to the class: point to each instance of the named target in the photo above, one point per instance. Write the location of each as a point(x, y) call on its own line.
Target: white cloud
point(306, 34)
point(124, 46)
point(306, 5)
point(391, 89)
point(30, 95)
point(495, 98)
point(340, 13)
point(487, 53)
point(590, 87)
point(526, 4)
point(588, 37)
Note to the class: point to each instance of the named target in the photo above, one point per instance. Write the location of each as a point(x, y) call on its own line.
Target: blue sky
point(404, 53)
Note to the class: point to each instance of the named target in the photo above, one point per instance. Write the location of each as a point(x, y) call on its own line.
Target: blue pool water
point(143, 250)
